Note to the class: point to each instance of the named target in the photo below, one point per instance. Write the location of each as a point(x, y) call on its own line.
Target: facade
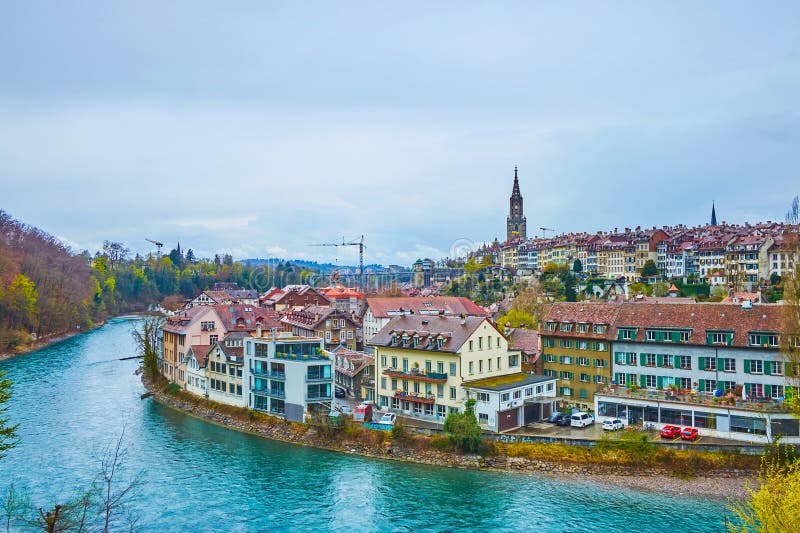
point(712, 366)
point(292, 297)
point(195, 364)
point(224, 374)
point(576, 349)
point(516, 225)
point(422, 362)
point(334, 326)
point(512, 401)
point(379, 311)
point(344, 299)
point(355, 373)
point(200, 325)
point(288, 376)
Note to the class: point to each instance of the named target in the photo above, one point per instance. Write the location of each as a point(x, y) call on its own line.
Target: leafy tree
point(8, 432)
point(463, 428)
point(635, 289)
point(774, 506)
point(146, 339)
point(21, 298)
point(660, 289)
point(650, 269)
point(577, 266)
point(516, 317)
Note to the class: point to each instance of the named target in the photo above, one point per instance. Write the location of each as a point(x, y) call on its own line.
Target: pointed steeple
point(713, 214)
point(515, 190)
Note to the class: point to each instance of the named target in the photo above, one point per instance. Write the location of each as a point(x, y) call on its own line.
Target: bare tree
point(793, 215)
point(114, 497)
point(146, 339)
point(14, 505)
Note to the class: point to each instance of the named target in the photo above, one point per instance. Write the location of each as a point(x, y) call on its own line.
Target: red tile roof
point(200, 353)
point(451, 305)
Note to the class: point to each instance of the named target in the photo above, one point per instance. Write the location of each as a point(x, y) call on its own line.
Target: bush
point(173, 389)
point(463, 428)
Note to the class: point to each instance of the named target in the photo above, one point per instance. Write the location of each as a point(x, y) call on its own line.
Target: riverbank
point(724, 483)
point(55, 338)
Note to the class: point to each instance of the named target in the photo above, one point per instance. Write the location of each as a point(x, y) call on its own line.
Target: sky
point(258, 128)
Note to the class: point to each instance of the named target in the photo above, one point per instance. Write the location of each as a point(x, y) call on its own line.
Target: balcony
point(433, 377)
point(415, 397)
point(318, 398)
point(696, 398)
point(301, 357)
point(310, 379)
point(272, 393)
point(268, 374)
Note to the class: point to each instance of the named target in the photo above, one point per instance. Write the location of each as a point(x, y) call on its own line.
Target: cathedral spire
point(713, 214)
point(515, 224)
point(515, 190)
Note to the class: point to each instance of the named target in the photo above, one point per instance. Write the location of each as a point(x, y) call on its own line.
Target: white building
point(509, 402)
point(288, 376)
point(195, 360)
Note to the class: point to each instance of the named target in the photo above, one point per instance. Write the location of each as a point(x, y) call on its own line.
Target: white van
point(581, 420)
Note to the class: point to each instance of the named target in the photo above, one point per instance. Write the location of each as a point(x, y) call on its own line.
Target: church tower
point(515, 224)
point(713, 214)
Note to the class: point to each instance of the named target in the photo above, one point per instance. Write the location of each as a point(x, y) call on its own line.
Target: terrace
point(415, 397)
point(416, 374)
point(697, 398)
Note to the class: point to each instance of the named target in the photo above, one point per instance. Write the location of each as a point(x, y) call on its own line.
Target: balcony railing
point(415, 397)
point(310, 379)
point(697, 398)
point(302, 357)
point(434, 377)
point(270, 392)
point(318, 398)
point(269, 374)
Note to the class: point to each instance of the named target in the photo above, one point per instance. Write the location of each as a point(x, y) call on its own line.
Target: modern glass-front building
point(288, 376)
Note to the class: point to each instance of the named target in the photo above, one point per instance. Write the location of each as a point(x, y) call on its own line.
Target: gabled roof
point(582, 313)
point(453, 330)
point(200, 353)
point(450, 305)
point(311, 316)
point(246, 317)
point(701, 318)
point(358, 360)
point(179, 322)
point(524, 340)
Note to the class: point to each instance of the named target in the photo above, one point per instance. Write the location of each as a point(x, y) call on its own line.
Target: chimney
point(258, 330)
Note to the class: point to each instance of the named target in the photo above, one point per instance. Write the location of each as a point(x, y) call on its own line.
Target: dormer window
point(416, 340)
point(566, 326)
point(600, 329)
point(440, 342)
point(582, 328)
point(550, 326)
point(394, 338)
point(405, 340)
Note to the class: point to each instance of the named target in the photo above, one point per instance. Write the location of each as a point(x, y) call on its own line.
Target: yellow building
point(423, 362)
point(576, 349)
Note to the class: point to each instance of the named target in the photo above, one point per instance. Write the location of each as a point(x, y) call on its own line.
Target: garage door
point(508, 419)
point(532, 413)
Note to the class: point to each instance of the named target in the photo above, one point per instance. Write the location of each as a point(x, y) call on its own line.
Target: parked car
point(581, 420)
point(563, 419)
point(613, 424)
point(388, 419)
point(555, 415)
point(670, 432)
point(690, 434)
point(339, 392)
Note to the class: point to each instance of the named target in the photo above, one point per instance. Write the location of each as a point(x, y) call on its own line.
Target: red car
point(689, 434)
point(670, 432)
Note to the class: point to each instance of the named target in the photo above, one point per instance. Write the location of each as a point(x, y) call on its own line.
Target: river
point(73, 398)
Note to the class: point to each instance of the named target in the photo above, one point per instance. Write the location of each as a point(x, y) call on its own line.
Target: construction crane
point(544, 235)
point(158, 245)
point(360, 244)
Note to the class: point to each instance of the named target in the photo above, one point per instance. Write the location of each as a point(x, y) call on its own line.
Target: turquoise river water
point(73, 398)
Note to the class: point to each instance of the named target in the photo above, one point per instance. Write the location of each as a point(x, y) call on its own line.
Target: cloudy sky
point(258, 128)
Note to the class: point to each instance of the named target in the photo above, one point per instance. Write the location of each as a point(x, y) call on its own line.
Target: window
point(762, 339)
point(471, 367)
point(566, 375)
point(600, 329)
point(583, 361)
point(549, 358)
point(440, 390)
point(776, 368)
point(565, 360)
point(480, 366)
point(719, 338)
point(651, 335)
point(582, 328)
point(600, 363)
point(650, 359)
point(452, 393)
point(490, 364)
point(620, 359)
point(513, 360)
point(405, 364)
point(452, 369)
point(383, 382)
point(626, 334)
point(440, 367)
point(480, 343)
point(482, 396)
point(727, 364)
point(756, 366)
point(504, 397)
point(710, 386)
point(685, 336)
point(394, 384)
point(669, 361)
point(650, 381)
point(550, 326)
point(547, 342)
point(212, 339)
point(565, 343)
point(685, 362)
point(483, 418)
point(600, 346)
point(725, 386)
point(776, 392)
point(600, 379)
point(383, 361)
point(566, 326)
point(550, 373)
point(529, 392)
point(498, 363)
point(394, 362)
point(566, 391)
point(470, 346)
point(517, 394)
point(585, 378)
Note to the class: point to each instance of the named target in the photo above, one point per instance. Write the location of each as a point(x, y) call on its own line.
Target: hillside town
point(717, 365)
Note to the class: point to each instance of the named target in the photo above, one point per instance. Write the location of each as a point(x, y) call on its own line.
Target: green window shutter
point(660, 360)
point(660, 382)
point(768, 391)
point(642, 359)
point(767, 368)
point(643, 381)
point(619, 335)
point(701, 385)
point(676, 336)
point(701, 363)
point(728, 338)
point(747, 366)
point(708, 338)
